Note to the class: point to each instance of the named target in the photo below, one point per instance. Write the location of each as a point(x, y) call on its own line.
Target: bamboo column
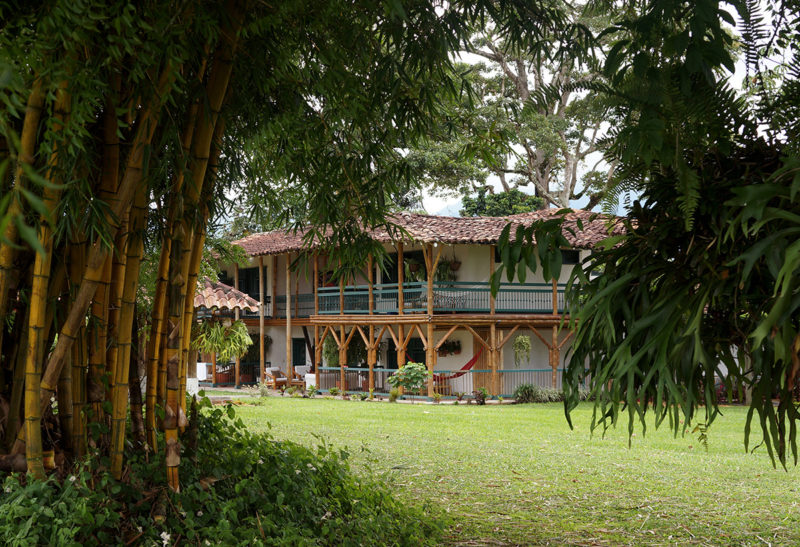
point(371, 351)
point(238, 364)
point(274, 313)
point(554, 338)
point(289, 313)
point(430, 353)
point(317, 348)
point(261, 365)
point(493, 355)
point(401, 348)
point(491, 273)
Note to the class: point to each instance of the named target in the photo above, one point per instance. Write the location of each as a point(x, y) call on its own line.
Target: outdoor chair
point(276, 378)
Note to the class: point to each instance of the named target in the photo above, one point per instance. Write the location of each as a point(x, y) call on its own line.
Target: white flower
point(72, 478)
point(199, 513)
point(165, 538)
point(260, 461)
point(311, 467)
point(296, 471)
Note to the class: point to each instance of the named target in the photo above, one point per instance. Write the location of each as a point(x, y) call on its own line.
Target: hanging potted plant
point(522, 350)
point(455, 264)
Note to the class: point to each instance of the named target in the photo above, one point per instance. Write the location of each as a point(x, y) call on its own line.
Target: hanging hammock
point(461, 372)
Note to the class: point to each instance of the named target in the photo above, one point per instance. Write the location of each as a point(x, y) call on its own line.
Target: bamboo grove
point(123, 129)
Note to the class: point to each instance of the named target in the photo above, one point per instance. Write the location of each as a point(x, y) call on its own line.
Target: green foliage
point(330, 352)
point(394, 393)
point(411, 376)
point(228, 342)
point(436, 397)
point(530, 393)
point(334, 391)
point(312, 390)
point(481, 394)
point(510, 202)
point(263, 492)
point(522, 349)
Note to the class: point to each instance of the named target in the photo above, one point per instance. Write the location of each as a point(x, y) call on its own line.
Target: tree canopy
point(499, 204)
point(705, 285)
point(124, 128)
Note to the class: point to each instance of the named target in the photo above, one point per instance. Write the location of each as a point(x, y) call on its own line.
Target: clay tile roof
point(450, 230)
point(221, 296)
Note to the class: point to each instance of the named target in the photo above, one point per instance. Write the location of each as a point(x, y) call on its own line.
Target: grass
point(518, 475)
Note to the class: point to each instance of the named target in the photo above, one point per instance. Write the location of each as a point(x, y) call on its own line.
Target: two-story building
point(430, 303)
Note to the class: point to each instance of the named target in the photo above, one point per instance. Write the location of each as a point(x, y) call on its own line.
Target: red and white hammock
point(461, 372)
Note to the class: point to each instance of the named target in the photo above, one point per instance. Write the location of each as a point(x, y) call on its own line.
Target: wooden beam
point(342, 361)
point(446, 336)
point(261, 360)
point(341, 289)
point(493, 357)
point(542, 338)
point(335, 337)
point(363, 336)
point(317, 353)
point(423, 336)
point(566, 338)
point(349, 336)
point(376, 342)
point(408, 337)
point(508, 336)
point(394, 338)
point(476, 335)
point(555, 297)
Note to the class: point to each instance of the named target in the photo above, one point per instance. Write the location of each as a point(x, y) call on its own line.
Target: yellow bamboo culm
point(119, 399)
point(78, 357)
point(146, 126)
point(38, 306)
point(27, 143)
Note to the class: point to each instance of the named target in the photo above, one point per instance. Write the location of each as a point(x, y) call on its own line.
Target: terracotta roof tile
point(223, 297)
point(449, 230)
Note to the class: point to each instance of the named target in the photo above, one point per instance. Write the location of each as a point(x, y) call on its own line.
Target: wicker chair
point(276, 378)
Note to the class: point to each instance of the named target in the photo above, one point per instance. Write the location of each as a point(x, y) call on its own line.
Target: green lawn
point(519, 475)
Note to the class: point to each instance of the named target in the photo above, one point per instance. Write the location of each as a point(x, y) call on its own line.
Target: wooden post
point(491, 273)
point(274, 286)
point(493, 355)
point(401, 349)
point(372, 357)
point(213, 369)
point(554, 355)
point(429, 351)
point(554, 339)
point(261, 361)
point(342, 360)
point(317, 349)
point(289, 315)
point(370, 282)
point(236, 368)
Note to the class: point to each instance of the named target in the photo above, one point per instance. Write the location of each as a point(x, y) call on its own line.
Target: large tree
point(530, 122)
point(705, 285)
point(125, 124)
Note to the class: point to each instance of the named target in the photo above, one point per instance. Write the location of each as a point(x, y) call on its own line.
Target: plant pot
point(413, 267)
point(455, 265)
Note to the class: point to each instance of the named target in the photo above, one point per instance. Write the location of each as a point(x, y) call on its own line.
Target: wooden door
point(481, 379)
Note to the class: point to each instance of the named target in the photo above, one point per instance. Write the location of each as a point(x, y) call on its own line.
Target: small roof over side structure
point(219, 296)
point(450, 230)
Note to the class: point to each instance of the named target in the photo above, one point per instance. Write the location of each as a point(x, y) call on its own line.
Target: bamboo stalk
point(17, 387)
point(78, 356)
point(37, 321)
point(119, 398)
point(27, 143)
point(135, 388)
point(98, 253)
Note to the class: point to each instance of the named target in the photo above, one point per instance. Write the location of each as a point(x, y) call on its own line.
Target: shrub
point(411, 376)
point(436, 397)
point(334, 391)
point(312, 390)
point(394, 393)
point(262, 492)
point(529, 393)
point(258, 390)
point(460, 395)
point(480, 395)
